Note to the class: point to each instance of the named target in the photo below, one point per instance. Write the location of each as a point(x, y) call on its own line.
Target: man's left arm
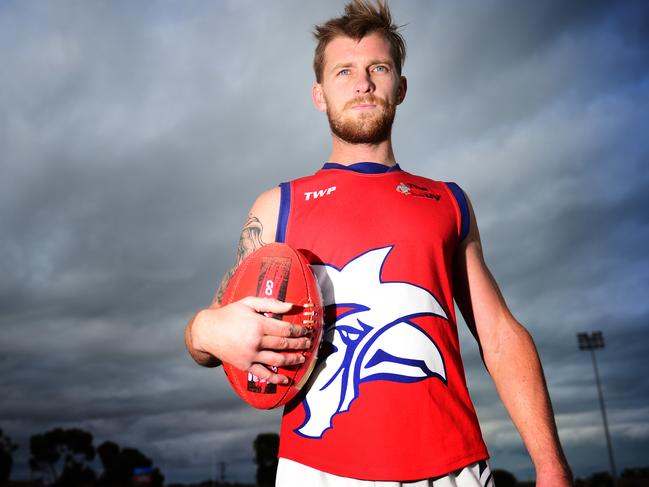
point(511, 359)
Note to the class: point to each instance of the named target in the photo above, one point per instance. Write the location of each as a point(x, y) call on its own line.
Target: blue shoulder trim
point(460, 197)
point(363, 167)
point(284, 210)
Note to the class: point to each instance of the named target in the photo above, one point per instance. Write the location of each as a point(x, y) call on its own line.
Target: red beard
point(366, 128)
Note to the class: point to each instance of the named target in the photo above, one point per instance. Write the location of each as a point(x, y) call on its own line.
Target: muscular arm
point(249, 241)
point(239, 333)
point(511, 358)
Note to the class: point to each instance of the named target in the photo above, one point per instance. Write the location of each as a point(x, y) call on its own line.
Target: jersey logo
point(411, 189)
point(319, 193)
point(371, 339)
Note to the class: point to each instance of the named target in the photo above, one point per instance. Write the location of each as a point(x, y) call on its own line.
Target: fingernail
point(285, 381)
point(302, 358)
point(308, 344)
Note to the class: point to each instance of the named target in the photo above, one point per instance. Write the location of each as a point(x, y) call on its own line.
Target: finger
point(267, 305)
point(284, 343)
point(268, 357)
point(279, 328)
point(264, 373)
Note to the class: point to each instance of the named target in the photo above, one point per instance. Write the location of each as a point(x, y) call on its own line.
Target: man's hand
point(240, 334)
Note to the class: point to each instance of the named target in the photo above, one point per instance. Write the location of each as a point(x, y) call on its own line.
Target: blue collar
point(363, 167)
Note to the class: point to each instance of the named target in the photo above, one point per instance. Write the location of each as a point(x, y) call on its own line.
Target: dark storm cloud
point(134, 137)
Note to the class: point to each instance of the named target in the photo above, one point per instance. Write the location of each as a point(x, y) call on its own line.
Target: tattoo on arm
point(249, 241)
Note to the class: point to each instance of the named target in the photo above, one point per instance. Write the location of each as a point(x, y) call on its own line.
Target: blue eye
point(381, 69)
point(344, 71)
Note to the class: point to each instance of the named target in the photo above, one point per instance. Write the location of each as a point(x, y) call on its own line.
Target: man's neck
point(345, 153)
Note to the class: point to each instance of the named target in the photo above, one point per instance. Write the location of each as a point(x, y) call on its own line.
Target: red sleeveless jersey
point(388, 398)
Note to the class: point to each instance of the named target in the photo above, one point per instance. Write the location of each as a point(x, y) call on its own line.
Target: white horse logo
point(372, 339)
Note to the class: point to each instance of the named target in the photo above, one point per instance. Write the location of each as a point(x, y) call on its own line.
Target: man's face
point(360, 89)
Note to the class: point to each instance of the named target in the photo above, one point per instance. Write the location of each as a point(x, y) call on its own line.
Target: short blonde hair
point(361, 18)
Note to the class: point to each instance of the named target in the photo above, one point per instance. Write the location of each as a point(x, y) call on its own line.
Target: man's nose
point(364, 83)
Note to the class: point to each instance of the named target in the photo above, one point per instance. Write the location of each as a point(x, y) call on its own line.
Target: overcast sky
point(135, 135)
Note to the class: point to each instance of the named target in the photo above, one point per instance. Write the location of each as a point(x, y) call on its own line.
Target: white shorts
point(293, 474)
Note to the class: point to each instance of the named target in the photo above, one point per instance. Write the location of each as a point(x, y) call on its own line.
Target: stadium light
point(592, 342)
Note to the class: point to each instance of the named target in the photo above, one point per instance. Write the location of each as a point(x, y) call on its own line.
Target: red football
point(277, 271)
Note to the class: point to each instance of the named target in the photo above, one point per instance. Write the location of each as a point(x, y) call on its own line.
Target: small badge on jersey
point(411, 189)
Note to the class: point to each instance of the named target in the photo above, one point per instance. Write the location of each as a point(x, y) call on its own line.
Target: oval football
point(277, 271)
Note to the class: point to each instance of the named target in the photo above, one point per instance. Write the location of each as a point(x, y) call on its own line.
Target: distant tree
point(7, 447)
point(121, 464)
point(635, 473)
point(112, 474)
point(76, 475)
point(63, 457)
point(601, 479)
point(266, 447)
point(503, 478)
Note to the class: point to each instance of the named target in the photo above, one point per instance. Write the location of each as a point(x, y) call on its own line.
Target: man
point(387, 404)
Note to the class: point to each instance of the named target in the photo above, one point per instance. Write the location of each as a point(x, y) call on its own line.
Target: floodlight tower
point(592, 342)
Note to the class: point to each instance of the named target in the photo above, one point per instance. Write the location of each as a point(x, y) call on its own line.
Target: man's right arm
point(239, 333)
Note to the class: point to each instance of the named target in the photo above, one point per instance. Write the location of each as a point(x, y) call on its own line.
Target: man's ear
point(402, 89)
point(317, 95)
